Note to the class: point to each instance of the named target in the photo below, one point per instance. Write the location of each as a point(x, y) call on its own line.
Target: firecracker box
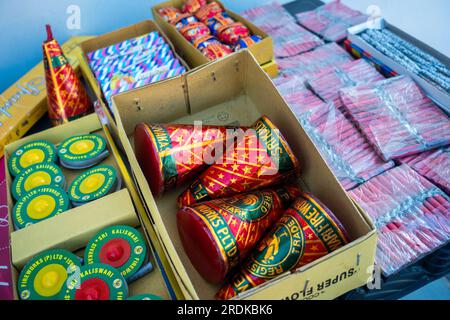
point(72, 229)
point(108, 39)
point(441, 98)
point(236, 91)
point(263, 50)
point(25, 102)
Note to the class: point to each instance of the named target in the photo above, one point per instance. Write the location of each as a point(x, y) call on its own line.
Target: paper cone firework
point(218, 234)
point(306, 232)
point(171, 154)
point(261, 157)
point(67, 98)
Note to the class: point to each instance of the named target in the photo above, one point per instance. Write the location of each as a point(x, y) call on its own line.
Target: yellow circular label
point(82, 147)
point(37, 179)
point(41, 207)
point(31, 157)
point(92, 183)
point(50, 279)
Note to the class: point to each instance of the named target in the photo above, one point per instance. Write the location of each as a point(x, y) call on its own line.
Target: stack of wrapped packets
point(331, 20)
point(396, 117)
point(327, 83)
point(134, 63)
point(411, 214)
point(433, 165)
point(288, 37)
point(346, 151)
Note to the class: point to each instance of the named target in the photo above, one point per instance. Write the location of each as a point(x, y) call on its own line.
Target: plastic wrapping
point(411, 214)
point(269, 17)
point(331, 20)
point(350, 157)
point(433, 165)
point(409, 56)
point(396, 117)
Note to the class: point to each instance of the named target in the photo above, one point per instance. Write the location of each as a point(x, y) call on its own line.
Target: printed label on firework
point(81, 148)
point(93, 184)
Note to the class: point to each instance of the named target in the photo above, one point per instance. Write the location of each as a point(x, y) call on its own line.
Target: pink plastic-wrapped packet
point(396, 117)
point(331, 20)
point(411, 214)
point(269, 16)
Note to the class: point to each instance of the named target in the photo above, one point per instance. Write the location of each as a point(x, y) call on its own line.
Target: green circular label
point(38, 175)
point(45, 276)
point(280, 251)
point(81, 148)
point(145, 297)
point(137, 254)
point(92, 184)
point(118, 289)
point(39, 204)
point(31, 153)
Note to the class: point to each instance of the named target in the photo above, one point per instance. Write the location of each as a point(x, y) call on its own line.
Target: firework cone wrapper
point(170, 155)
point(411, 214)
point(217, 235)
point(67, 98)
point(261, 157)
point(306, 232)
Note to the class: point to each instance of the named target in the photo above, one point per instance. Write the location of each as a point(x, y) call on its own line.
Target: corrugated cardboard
point(238, 93)
point(74, 228)
point(25, 102)
point(263, 50)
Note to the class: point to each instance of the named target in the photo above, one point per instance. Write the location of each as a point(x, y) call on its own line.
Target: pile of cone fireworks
point(242, 220)
point(209, 28)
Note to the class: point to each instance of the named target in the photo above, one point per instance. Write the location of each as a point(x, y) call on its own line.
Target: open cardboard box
point(106, 40)
point(73, 229)
point(263, 50)
point(236, 91)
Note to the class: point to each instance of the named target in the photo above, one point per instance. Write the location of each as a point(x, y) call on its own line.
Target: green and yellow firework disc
point(44, 277)
point(82, 151)
point(121, 247)
point(97, 282)
point(31, 153)
point(145, 297)
point(37, 175)
point(39, 204)
point(93, 184)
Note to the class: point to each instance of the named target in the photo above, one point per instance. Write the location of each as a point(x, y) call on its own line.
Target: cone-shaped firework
point(306, 232)
point(261, 157)
point(218, 234)
point(171, 154)
point(67, 98)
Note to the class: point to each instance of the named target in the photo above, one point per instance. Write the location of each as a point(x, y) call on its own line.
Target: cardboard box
point(439, 97)
point(263, 50)
point(25, 102)
point(73, 229)
point(271, 68)
point(108, 39)
point(239, 92)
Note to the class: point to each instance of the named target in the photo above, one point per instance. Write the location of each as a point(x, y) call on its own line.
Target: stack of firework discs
point(93, 184)
point(39, 204)
point(38, 175)
point(31, 153)
point(121, 247)
point(44, 277)
point(97, 282)
point(82, 151)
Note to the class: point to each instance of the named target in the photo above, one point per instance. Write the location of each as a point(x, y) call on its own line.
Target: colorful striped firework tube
point(217, 235)
point(411, 214)
point(433, 165)
point(260, 157)
point(396, 117)
point(306, 232)
point(44, 277)
point(169, 14)
point(66, 96)
point(331, 20)
point(97, 282)
point(192, 6)
point(31, 153)
point(172, 154)
point(208, 11)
